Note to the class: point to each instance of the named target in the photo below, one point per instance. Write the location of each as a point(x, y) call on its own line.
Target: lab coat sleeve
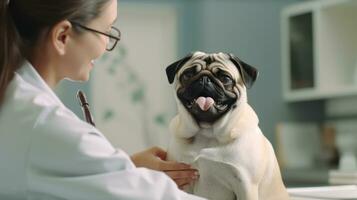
point(69, 159)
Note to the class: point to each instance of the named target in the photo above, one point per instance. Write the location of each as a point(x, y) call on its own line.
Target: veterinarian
point(46, 151)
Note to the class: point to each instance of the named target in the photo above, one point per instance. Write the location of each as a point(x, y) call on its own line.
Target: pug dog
point(217, 131)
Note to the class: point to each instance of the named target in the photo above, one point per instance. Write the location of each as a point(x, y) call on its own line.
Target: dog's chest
point(187, 150)
point(212, 159)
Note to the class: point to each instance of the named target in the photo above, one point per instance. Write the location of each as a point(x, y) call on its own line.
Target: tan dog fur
point(234, 158)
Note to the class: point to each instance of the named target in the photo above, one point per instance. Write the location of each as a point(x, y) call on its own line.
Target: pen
point(85, 107)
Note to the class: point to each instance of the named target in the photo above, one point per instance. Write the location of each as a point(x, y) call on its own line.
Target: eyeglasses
point(114, 35)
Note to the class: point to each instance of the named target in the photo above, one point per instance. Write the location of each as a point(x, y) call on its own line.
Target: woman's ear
point(60, 35)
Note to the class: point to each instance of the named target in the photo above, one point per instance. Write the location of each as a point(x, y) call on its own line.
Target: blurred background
point(305, 95)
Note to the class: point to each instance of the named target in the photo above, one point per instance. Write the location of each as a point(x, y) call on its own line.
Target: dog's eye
point(225, 79)
point(188, 74)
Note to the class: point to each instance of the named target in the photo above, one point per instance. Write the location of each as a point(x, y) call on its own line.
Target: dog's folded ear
point(172, 69)
point(249, 74)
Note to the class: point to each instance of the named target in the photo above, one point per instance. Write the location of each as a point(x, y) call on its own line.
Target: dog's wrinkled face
point(209, 85)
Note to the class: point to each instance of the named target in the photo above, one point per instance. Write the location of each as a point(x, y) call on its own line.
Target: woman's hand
point(155, 158)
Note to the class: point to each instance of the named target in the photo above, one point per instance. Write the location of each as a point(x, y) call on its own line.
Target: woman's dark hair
point(23, 21)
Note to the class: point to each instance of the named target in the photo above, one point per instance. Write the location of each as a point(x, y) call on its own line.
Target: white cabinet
point(319, 50)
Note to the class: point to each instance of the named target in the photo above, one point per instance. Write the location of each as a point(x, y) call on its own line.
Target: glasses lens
point(115, 32)
point(112, 41)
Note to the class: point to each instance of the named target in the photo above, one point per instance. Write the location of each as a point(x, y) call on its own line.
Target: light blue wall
point(248, 29)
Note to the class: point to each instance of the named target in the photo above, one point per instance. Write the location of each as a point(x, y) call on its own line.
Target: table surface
point(343, 192)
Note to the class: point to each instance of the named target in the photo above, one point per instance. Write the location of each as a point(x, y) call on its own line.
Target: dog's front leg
point(182, 134)
point(224, 181)
point(247, 192)
point(183, 128)
point(244, 185)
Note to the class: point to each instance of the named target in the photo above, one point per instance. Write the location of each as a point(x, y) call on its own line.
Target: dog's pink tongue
point(205, 103)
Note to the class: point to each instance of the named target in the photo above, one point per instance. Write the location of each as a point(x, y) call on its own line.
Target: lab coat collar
point(30, 75)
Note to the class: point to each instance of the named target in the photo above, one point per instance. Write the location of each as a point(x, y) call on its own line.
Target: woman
point(46, 152)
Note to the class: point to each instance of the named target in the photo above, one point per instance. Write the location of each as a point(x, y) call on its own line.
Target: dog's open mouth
point(206, 107)
point(206, 103)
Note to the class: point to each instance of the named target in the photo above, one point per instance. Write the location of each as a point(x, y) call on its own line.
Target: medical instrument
point(85, 107)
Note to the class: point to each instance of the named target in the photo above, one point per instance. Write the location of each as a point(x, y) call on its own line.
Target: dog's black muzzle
point(205, 85)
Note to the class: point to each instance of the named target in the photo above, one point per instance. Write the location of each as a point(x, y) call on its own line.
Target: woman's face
point(88, 46)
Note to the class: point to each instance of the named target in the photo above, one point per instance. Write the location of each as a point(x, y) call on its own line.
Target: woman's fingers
point(180, 174)
point(155, 158)
point(183, 174)
point(181, 183)
point(173, 165)
point(183, 177)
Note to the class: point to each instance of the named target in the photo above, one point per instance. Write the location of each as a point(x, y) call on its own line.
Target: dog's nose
point(204, 80)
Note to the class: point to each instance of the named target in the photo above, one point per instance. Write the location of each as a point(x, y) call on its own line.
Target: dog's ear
point(249, 74)
point(172, 69)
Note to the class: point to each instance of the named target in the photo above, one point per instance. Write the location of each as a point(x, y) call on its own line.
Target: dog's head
point(210, 85)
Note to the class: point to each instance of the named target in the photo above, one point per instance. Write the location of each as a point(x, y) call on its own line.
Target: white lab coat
point(47, 152)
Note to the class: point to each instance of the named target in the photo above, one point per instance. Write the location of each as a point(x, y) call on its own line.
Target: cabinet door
point(301, 51)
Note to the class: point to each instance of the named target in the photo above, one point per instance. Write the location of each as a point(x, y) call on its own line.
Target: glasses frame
point(117, 39)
